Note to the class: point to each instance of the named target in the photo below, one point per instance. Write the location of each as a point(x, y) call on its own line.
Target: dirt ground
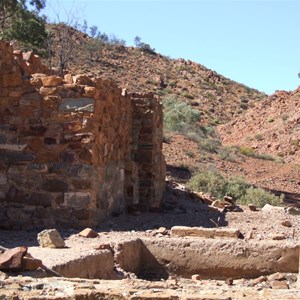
point(179, 208)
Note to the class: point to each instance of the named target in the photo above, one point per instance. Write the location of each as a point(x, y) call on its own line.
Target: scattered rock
point(219, 204)
point(249, 235)
point(50, 238)
point(295, 211)
point(269, 208)
point(276, 276)
point(229, 281)
point(259, 279)
point(11, 259)
point(88, 233)
point(162, 230)
point(279, 285)
point(286, 223)
point(3, 275)
point(278, 237)
point(103, 247)
point(196, 277)
point(252, 207)
point(228, 199)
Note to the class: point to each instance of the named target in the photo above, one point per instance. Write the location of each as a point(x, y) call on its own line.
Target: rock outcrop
point(75, 149)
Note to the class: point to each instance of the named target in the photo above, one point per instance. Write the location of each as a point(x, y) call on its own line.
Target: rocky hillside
point(271, 127)
point(218, 98)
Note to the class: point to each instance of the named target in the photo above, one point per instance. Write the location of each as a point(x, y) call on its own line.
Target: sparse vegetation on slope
point(140, 68)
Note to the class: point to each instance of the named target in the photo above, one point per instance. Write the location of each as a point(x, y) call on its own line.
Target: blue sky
point(253, 42)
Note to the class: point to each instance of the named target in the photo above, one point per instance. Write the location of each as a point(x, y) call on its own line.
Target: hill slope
point(218, 98)
point(272, 127)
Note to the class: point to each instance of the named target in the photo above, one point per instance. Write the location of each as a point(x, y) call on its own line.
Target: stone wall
point(75, 149)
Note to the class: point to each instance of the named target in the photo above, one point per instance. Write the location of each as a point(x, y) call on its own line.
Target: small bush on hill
point(211, 145)
point(228, 153)
point(247, 151)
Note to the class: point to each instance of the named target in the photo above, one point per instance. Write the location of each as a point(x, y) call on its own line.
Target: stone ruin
point(75, 149)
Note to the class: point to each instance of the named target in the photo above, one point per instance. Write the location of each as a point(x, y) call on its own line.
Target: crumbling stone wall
point(73, 149)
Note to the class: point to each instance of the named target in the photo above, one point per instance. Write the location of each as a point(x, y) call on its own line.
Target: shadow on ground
point(178, 209)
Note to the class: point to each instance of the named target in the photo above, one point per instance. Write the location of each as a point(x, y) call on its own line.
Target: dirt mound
point(271, 127)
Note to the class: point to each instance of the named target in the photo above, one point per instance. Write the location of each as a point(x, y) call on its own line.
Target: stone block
point(10, 80)
point(83, 171)
point(13, 157)
point(3, 178)
point(31, 99)
point(77, 200)
point(51, 81)
point(12, 147)
point(39, 199)
point(54, 185)
point(50, 238)
point(79, 184)
point(81, 214)
point(205, 232)
point(82, 79)
point(20, 217)
point(89, 91)
point(68, 78)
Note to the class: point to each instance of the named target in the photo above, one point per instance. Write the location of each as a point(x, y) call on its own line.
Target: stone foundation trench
point(158, 258)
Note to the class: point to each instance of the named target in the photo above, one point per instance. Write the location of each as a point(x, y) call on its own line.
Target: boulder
point(50, 238)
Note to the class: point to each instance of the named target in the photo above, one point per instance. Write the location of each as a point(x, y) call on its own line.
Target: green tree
point(18, 22)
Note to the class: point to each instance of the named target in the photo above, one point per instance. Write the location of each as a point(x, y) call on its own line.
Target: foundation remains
point(75, 149)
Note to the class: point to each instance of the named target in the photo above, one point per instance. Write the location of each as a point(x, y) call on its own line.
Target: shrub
point(212, 183)
point(228, 153)
point(271, 120)
point(264, 156)
point(260, 197)
point(211, 145)
point(247, 151)
point(236, 187)
point(143, 46)
point(259, 137)
point(178, 115)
